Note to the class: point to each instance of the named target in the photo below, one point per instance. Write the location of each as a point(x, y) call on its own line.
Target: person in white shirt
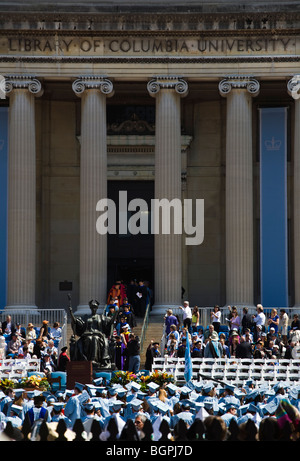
point(56, 331)
point(30, 332)
point(216, 318)
point(259, 319)
point(187, 315)
point(283, 325)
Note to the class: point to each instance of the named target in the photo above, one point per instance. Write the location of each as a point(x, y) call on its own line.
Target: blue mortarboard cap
point(252, 394)
point(152, 387)
point(79, 386)
point(270, 393)
point(100, 389)
point(135, 386)
point(98, 381)
point(294, 393)
point(50, 399)
point(19, 392)
point(59, 394)
point(187, 403)
point(219, 390)
point(210, 403)
point(243, 419)
point(91, 389)
point(47, 393)
point(239, 394)
point(242, 410)
point(153, 404)
point(36, 393)
point(270, 407)
point(112, 390)
point(68, 393)
point(279, 385)
point(89, 406)
point(185, 416)
point(121, 392)
point(162, 407)
point(117, 404)
point(140, 395)
point(252, 408)
point(198, 386)
point(209, 386)
point(222, 407)
point(230, 387)
point(16, 409)
point(97, 404)
point(185, 390)
point(231, 399)
point(58, 406)
point(30, 394)
point(136, 403)
point(171, 388)
point(229, 405)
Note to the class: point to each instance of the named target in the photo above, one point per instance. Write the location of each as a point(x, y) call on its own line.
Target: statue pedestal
point(79, 372)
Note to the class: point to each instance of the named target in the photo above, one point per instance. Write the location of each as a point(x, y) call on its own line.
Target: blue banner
point(188, 368)
point(273, 207)
point(3, 202)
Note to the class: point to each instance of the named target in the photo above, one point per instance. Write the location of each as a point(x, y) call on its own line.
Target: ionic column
point(239, 189)
point(93, 187)
point(294, 90)
point(21, 269)
point(168, 251)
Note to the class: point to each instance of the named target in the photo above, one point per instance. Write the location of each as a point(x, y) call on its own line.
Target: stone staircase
point(154, 331)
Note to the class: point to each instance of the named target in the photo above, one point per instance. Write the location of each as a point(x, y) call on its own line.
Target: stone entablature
point(59, 45)
point(151, 18)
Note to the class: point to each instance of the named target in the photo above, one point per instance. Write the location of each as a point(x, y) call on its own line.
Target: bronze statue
point(94, 343)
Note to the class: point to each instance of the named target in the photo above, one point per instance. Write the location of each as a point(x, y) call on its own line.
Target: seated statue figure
point(94, 334)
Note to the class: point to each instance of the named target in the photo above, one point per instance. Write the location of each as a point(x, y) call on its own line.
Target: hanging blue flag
point(188, 370)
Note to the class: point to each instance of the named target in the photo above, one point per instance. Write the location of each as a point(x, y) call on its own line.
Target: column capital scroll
point(167, 82)
point(93, 82)
point(23, 82)
point(293, 87)
point(239, 82)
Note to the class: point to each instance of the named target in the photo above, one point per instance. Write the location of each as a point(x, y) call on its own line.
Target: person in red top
point(117, 292)
point(63, 359)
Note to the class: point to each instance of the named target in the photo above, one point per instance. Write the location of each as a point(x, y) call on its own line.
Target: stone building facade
point(191, 101)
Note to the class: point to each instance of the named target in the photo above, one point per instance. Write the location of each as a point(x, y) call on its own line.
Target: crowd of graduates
point(105, 412)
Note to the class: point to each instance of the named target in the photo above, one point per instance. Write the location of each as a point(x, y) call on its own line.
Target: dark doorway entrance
point(130, 256)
